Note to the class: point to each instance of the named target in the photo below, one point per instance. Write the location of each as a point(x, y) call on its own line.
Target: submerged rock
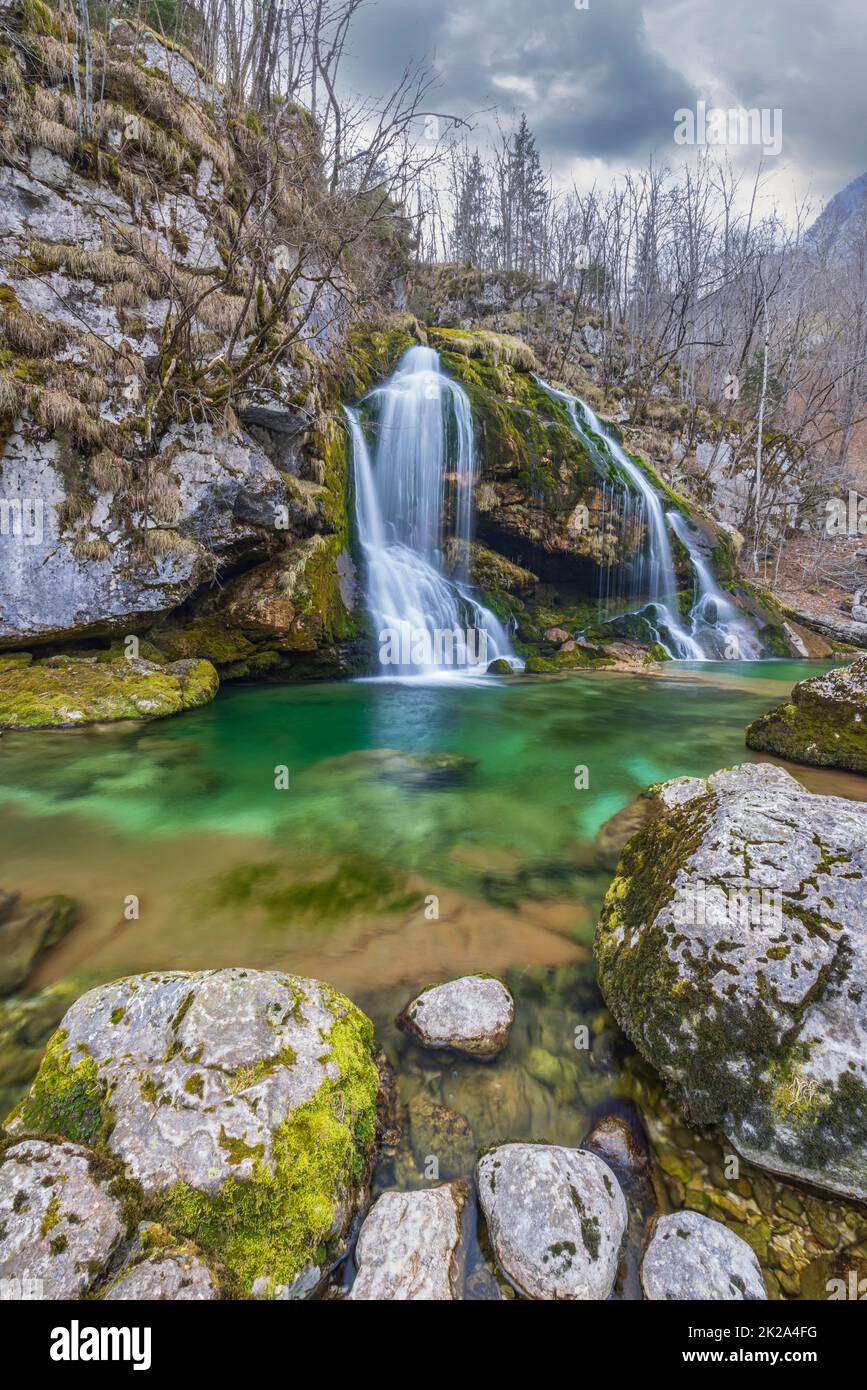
point(243, 1102)
point(420, 771)
point(27, 931)
point(473, 1014)
point(411, 1246)
point(614, 833)
point(436, 1131)
point(66, 691)
point(824, 721)
point(59, 1222)
point(623, 1146)
point(732, 948)
point(691, 1257)
point(556, 1219)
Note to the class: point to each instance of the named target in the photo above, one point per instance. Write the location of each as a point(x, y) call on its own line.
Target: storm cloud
point(600, 86)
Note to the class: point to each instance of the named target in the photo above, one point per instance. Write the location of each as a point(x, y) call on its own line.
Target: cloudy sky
point(600, 85)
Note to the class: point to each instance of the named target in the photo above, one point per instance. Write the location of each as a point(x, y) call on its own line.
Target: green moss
point(71, 691)
point(67, 1098)
point(286, 1216)
point(818, 725)
point(52, 1215)
point(208, 638)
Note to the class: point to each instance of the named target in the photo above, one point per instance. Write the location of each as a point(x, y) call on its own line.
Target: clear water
point(331, 876)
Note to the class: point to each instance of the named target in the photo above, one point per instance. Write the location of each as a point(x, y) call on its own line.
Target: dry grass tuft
point(125, 294)
point(53, 136)
point(30, 334)
point(10, 396)
point(110, 472)
point(90, 548)
point(160, 543)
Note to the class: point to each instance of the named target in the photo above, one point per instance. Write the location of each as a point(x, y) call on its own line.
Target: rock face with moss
point(732, 948)
point(169, 407)
point(67, 691)
point(242, 1103)
point(824, 721)
point(556, 1219)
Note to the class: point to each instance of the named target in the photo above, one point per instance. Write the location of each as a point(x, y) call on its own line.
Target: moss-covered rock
point(538, 488)
point(731, 948)
point(242, 1102)
point(60, 1220)
point(66, 691)
point(824, 721)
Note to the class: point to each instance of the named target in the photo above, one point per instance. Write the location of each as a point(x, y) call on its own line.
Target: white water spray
point(423, 467)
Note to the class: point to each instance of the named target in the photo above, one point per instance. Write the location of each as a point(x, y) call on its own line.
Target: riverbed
point(311, 829)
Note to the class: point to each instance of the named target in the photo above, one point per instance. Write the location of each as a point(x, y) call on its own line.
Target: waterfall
point(715, 627)
point(414, 493)
point(723, 630)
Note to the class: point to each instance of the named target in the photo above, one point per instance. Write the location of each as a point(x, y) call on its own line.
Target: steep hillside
point(176, 298)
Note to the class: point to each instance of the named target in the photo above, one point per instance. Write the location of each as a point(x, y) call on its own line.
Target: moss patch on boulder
point(66, 691)
point(242, 1103)
point(823, 723)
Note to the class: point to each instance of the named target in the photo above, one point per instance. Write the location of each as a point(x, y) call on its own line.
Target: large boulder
point(689, 1256)
point(59, 1221)
point(66, 691)
point(243, 1102)
point(732, 948)
point(411, 1246)
point(473, 1015)
point(824, 721)
point(556, 1219)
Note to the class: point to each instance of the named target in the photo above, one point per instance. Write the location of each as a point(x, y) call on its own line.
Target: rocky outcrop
point(241, 1104)
point(539, 495)
point(26, 931)
point(472, 1015)
point(556, 1219)
point(824, 721)
point(689, 1256)
point(731, 948)
point(169, 415)
point(411, 1246)
point(68, 691)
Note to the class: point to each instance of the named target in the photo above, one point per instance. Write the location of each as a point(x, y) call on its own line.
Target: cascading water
point(724, 631)
point(716, 628)
point(423, 468)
